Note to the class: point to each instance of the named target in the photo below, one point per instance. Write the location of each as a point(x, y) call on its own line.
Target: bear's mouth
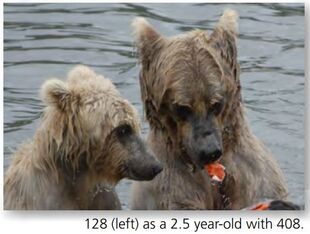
point(202, 162)
point(209, 160)
point(142, 173)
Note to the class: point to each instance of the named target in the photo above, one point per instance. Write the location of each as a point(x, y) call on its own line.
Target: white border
point(73, 221)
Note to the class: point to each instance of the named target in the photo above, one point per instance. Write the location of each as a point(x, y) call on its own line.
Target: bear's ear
point(229, 21)
point(148, 39)
point(223, 39)
point(56, 93)
point(81, 73)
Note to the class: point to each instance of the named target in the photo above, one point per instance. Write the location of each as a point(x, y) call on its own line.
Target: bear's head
point(91, 129)
point(190, 87)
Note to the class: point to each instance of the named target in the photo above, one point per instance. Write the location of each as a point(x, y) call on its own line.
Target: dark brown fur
point(201, 73)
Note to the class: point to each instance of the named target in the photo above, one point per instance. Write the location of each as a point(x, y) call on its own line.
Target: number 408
point(289, 223)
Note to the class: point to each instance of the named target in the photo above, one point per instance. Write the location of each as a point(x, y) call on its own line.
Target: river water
point(47, 40)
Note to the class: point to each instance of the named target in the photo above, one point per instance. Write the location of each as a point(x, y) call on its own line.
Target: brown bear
point(191, 92)
point(87, 142)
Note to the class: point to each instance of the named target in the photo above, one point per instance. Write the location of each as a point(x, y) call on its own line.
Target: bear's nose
point(211, 156)
point(157, 169)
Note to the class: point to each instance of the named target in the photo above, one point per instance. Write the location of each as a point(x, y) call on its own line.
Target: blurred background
point(46, 40)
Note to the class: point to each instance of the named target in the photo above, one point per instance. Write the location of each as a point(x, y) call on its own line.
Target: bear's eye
point(183, 112)
point(216, 108)
point(124, 130)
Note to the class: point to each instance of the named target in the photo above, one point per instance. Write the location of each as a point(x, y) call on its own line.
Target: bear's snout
point(157, 169)
point(143, 170)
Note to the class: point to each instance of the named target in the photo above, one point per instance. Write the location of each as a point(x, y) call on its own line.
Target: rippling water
point(47, 40)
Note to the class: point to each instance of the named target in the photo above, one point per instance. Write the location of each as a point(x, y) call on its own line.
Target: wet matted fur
point(191, 93)
point(87, 141)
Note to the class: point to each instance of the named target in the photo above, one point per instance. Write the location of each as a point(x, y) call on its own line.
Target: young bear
point(87, 142)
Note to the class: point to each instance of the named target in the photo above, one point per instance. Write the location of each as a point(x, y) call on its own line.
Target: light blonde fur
point(49, 171)
point(229, 21)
